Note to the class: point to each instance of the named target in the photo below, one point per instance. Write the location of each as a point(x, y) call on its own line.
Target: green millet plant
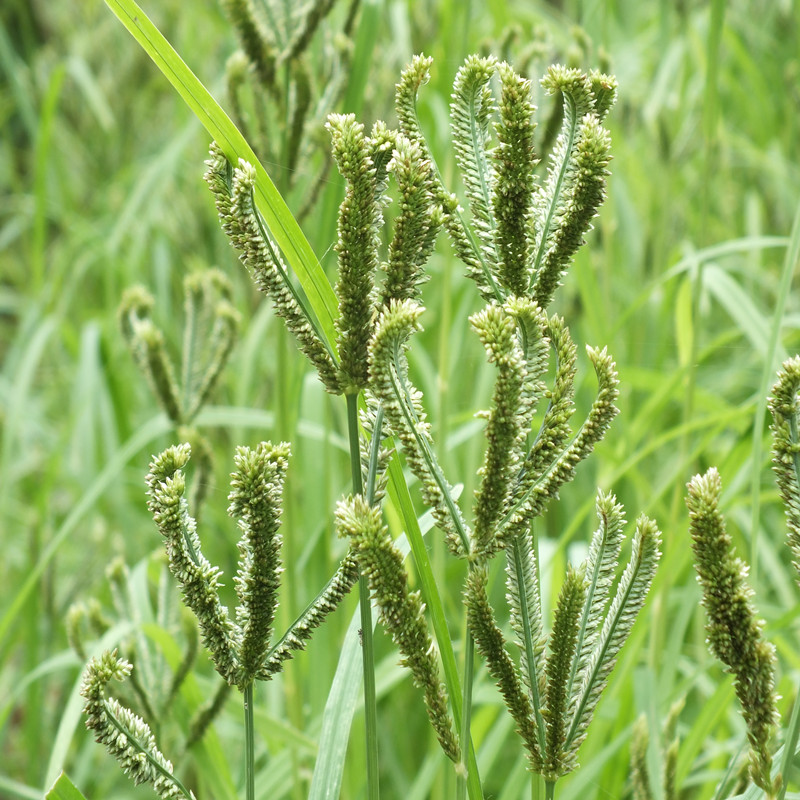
point(735, 632)
point(517, 243)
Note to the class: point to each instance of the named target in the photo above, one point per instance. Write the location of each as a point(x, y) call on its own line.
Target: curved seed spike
point(554, 429)
point(136, 305)
point(316, 13)
point(417, 73)
point(512, 189)
point(491, 645)
point(784, 405)
point(562, 210)
point(360, 219)
point(735, 633)
point(260, 53)
point(210, 330)
point(581, 191)
point(401, 611)
point(199, 581)
point(604, 91)
point(525, 604)
point(640, 773)
point(416, 226)
point(466, 246)
point(563, 639)
point(628, 601)
point(241, 221)
point(535, 492)
point(389, 381)
point(256, 504)
point(126, 736)
point(599, 570)
point(497, 330)
point(146, 343)
point(313, 616)
point(470, 111)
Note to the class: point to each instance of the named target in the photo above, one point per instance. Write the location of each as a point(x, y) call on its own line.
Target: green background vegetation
point(100, 176)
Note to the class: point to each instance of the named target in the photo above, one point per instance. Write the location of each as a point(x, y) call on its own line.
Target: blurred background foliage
point(100, 189)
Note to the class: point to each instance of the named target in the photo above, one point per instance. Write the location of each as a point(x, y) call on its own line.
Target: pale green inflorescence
point(640, 773)
point(785, 407)
point(490, 642)
point(255, 502)
point(126, 736)
point(198, 579)
point(517, 245)
point(390, 383)
point(563, 640)
point(512, 198)
point(505, 428)
point(240, 650)
point(360, 220)
point(735, 633)
point(401, 611)
point(416, 226)
point(242, 222)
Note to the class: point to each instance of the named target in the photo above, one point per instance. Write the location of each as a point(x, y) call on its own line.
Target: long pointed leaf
point(279, 219)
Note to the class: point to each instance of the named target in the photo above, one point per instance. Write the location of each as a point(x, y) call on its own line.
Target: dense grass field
point(686, 278)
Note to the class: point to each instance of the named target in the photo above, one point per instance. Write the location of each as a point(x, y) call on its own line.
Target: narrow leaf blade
point(279, 219)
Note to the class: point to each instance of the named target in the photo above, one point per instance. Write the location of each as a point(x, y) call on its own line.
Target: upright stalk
point(367, 652)
point(249, 745)
point(466, 717)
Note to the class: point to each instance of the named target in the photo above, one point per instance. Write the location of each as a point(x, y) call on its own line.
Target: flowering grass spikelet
point(785, 407)
point(735, 633)
point(401, 611)
point(126, 736)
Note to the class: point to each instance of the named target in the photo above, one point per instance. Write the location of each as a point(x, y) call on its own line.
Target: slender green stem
point(249, 745)
point(370, 703)
point(466, 716)
point(549, 790)
point(355, 446)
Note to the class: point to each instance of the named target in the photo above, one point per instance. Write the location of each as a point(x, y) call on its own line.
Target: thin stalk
point(549, 790)
point(466, 717)
point(367, 652)
point(249, 744)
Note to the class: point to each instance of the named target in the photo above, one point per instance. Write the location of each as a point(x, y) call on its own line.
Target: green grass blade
point(63, 789)
point(342, 702)
point(156, 427)
point(279, 219)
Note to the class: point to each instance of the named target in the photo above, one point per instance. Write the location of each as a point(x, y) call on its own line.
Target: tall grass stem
point(249, 745)
point(367, 649)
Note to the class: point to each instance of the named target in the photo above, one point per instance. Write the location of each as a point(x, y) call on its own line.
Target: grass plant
point(686, 279)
